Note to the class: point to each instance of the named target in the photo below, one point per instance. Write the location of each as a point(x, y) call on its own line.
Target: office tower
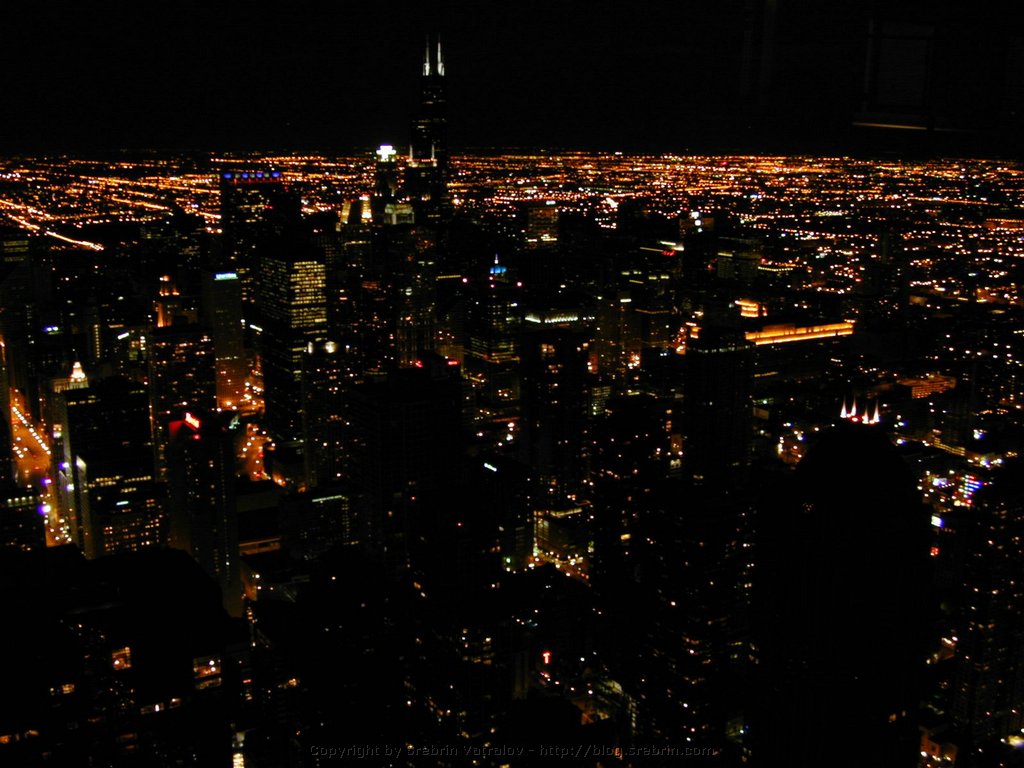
point(427, 169)
point(222, 314)
point(399, 297)
point(315, 521)
point(387, 205)
point(201, 481)
point(843, 601)
point(505, 489)
point(104, 477)
point(738, 260)
point(182, 375)
point(15, 271)
point(555, 394)
point(717, 419)
point(406, 441)
point(988, 694)
point(24, 290)
point(254, 206)
point(22, 518)
point(170, 306)
point(539, 224)
point(493, 323)
point(327, 374)
point(293, 305)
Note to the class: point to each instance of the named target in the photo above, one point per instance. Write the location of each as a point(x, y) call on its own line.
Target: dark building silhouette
point(988, 695)
point(842, 598)
point(254, 206)
point(555, 393)
point(124, 660)
point(222, 314)
point(182, 375)
point(203, 512)
point(327, 374)
point(406, 436)
point(493, 324)
point(105, 468)
point(717, 387)
point(22, 522)
point(427, 171)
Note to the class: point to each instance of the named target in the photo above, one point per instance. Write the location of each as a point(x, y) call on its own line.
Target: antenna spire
point(426, 59)
point(440, 60)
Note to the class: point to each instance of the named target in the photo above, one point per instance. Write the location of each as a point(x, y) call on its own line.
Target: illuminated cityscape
point(420, 455)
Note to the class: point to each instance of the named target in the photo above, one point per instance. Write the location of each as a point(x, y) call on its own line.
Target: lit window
point(122, 658)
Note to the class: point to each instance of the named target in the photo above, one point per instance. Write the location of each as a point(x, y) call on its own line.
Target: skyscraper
point(222, 314)
point(427, 170)
point(717, 412)
point(492, 353)
point(203, 515)
point(843, 597)
point(182, 374)
point(406, 435)
point(254, 205)
point(294, 314)
point(555, 395)
point(988, 696)
point(105, 468)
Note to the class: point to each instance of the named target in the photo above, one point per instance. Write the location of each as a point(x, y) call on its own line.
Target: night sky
point(667, 76)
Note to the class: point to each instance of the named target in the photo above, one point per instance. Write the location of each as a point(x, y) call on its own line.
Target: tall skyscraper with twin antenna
point(428, 150)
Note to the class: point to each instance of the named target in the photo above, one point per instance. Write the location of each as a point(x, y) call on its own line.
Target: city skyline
point(434, 458)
